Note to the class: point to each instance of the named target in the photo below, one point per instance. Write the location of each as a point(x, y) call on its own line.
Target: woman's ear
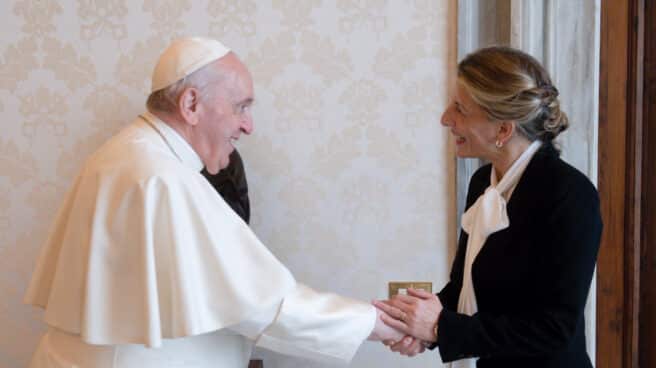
point(188, 105)
point(505, 132)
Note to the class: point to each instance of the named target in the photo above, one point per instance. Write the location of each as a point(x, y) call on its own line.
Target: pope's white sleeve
point(255, 325)
point(313, 325)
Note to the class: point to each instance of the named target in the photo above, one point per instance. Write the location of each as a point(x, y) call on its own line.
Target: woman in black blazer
point(519, 284)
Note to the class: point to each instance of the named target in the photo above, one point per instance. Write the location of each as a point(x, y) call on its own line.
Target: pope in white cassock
point(146, 265)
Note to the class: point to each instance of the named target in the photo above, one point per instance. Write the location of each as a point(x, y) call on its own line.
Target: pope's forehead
point(231, 62)
point(231, 66)
point(234, 77)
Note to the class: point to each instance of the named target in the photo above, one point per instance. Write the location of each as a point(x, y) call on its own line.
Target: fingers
point(384, 306)
point(394, 323)
point(406, 299)
point(396, 302)
point(401, 305)
point(408, 346)
point(391, 310)
point(419, 293)
point(400, 346)
point(414, 349)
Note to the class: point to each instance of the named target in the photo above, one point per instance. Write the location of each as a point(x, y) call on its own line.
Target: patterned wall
point(351, 175)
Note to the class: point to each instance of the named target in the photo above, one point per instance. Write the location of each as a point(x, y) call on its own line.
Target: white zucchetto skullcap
point(183, 57)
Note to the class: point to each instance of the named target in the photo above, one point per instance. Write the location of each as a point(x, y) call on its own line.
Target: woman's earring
point(498, 143)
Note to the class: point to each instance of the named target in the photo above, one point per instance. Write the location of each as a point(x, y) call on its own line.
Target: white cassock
point(147, 266)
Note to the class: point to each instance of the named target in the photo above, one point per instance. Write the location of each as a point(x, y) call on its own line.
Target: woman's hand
point(415, 314)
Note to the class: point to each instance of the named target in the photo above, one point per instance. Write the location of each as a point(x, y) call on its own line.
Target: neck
point(185, 130)
point(508, 155)
point(175, 123)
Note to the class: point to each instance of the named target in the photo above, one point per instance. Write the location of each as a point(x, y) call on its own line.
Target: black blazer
point(531, 279)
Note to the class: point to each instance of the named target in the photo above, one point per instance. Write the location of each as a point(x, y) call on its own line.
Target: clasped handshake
point(407, 324)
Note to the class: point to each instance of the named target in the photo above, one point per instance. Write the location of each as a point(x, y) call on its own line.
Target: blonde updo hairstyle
point(510, 85)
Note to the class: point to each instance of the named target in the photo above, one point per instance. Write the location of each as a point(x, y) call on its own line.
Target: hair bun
point(549, 91)
point(555, 120)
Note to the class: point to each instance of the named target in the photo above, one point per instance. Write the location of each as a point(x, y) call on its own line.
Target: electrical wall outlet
point(401, 287)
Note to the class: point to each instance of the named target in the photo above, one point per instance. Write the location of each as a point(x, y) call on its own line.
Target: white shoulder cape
point(143, 248)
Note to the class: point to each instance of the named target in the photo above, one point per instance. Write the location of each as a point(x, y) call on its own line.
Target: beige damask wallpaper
point(351, 175)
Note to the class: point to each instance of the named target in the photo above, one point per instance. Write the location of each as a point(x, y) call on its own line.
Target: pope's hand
point(407, 346)
point(383, 332)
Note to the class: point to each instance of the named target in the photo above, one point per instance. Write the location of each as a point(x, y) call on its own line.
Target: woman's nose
point(446, 119)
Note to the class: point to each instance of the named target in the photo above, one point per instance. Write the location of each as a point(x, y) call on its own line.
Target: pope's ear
point(188, 105)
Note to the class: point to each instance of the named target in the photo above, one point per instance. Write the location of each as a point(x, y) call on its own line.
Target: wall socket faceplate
point(400, 287)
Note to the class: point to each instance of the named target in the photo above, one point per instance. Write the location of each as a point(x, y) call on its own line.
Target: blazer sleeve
point(451, 291)
point(571, 235)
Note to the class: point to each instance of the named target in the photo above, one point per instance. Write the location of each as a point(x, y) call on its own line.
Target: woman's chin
point(462, 153)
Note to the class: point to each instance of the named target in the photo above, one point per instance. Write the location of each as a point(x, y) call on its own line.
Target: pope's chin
point(217, 166)
point(221, 162)
point(214, 167)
